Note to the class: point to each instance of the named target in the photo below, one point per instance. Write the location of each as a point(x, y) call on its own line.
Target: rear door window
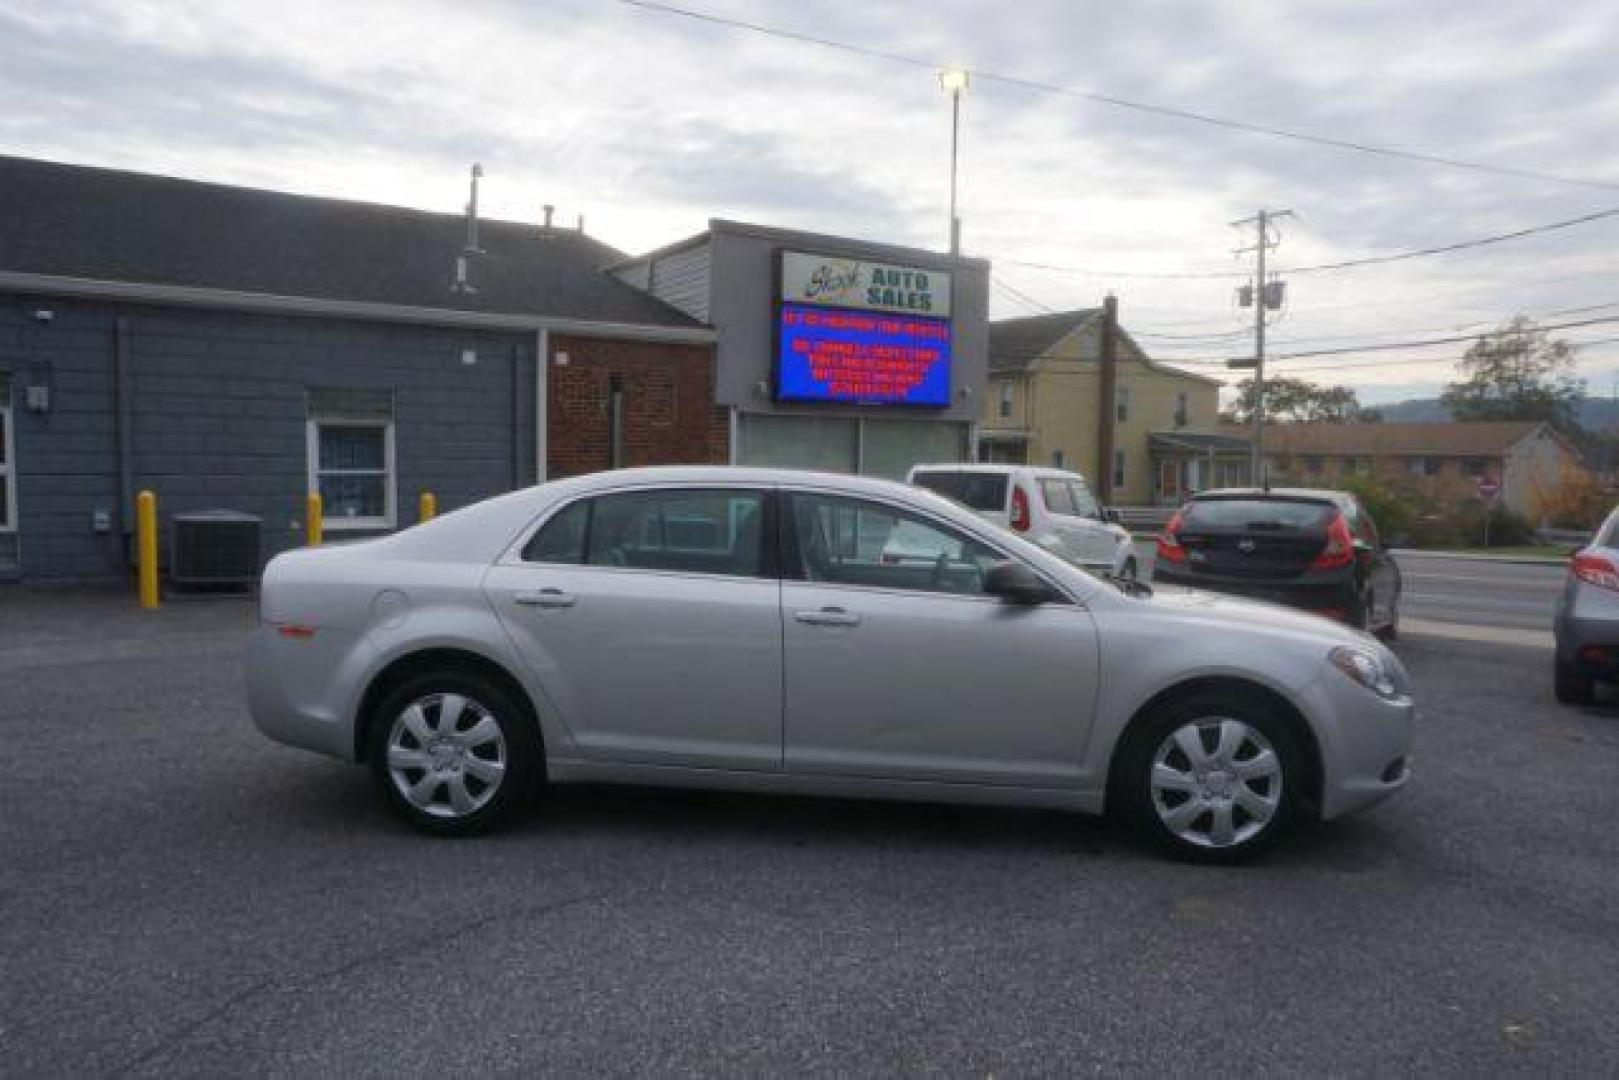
point(1059, 498)
point(1084, 502)
point(682, 531)
point(975, 490)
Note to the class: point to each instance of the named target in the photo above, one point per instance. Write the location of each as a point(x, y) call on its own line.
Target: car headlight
point(1367, 670)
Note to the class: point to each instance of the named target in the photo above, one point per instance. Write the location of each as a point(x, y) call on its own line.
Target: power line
point(1436, 341)
point(1119, 102)
point(1023, 297)
point(1342, 264)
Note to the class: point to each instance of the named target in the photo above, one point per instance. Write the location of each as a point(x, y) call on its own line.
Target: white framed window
point(8, 455)
point(351, 466)
point(1121, 402)
point(1006, 398)
point(1058, 460)
point(1182, 409)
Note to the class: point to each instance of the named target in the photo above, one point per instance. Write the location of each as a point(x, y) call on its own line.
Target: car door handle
point(547, 598)
point(828, 616)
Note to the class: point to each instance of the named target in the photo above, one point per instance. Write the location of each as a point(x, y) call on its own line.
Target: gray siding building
point(234, 348)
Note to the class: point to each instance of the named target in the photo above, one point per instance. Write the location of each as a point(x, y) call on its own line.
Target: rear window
point(974, 490)
point(1280, 514)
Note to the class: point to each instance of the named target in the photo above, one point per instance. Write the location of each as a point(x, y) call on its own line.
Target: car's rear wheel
point(453, 752)
point(1571, 685)
point(1211, 779)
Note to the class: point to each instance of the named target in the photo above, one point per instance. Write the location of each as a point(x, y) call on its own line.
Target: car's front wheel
point(1210, 778)
point(453, 752)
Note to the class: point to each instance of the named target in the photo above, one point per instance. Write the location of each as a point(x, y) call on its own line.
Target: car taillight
point(1340, 549)
point(1169, 545)
point(1595, 570)
point(1020, 510)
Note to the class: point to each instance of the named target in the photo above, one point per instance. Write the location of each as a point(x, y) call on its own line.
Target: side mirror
point(1015, 583)
point(1111, 516)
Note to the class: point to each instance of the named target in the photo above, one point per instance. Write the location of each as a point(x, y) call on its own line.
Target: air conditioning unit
point(215, 547)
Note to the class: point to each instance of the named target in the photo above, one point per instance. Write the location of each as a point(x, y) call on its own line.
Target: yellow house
point(1043, 405)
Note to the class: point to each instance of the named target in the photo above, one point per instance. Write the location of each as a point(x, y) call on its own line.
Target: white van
point(1051, 507)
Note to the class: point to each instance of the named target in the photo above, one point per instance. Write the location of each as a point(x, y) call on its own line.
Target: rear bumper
point(292, 693)
point(1591, 645)
point(1331, 596)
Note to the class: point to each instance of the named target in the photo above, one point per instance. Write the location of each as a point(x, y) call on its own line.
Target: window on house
point(1422, 466)
point(1477, 466)
point(351, 457)
point(1006, 398)
point(8, 480)
point(1182, 410)
point(1058, 460)
point(1121, 401)
point(1314, 464)
point(1356, 466)
point(1118, 470)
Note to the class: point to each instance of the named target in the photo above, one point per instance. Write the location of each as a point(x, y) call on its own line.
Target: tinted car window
point(850, 542)
point(1059, 499)
point(974, 490)
point(562, 539)
point(1256, 514)
point(707, 532)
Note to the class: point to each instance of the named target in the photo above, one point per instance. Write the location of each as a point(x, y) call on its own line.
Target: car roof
point(989, 469)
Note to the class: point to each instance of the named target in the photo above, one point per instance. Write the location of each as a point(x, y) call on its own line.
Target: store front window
point(873, 447)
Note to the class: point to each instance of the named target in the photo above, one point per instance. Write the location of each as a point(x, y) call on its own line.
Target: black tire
point(1390, 631)
point(521, 756)
point(1358, 611)
point(1132, 795)
point(1571, 685)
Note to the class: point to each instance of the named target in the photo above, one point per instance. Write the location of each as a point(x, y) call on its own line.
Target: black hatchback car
point(1317, 550)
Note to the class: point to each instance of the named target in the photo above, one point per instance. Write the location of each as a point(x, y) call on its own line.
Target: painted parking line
point(1492, 635)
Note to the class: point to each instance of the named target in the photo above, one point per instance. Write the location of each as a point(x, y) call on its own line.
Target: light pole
point(953, 81)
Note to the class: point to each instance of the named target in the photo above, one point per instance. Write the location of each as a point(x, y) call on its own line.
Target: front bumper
point(1365, 742)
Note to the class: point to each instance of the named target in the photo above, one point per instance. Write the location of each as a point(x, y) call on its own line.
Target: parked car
point(564, 633)
point(1316, 550)
point(1050, 507)
point(1586, 624)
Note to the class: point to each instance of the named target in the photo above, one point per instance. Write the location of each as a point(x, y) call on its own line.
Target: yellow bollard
point(146, 547)
point(427, 507)
point(313, 519)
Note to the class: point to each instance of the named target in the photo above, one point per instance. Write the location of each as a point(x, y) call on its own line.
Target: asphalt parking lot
point(182, 897)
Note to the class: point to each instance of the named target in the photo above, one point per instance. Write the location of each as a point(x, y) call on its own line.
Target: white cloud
point(651, 124)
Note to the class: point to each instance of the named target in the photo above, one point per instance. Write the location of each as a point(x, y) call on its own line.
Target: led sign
point(861, 357)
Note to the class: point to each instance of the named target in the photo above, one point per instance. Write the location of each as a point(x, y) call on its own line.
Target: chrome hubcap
point(1216, 782)
point(446, 755)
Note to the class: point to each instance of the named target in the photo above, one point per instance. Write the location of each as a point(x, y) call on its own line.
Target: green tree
point(1517, 373)
point(1299, 401)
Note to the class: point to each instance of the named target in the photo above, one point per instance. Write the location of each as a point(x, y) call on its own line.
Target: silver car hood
point(1217, 608)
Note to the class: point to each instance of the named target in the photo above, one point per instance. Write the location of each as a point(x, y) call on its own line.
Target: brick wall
point(669, 412)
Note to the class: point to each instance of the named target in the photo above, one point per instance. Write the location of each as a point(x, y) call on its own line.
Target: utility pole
point(953, 81)
point(1265, 296)
point(1109, 395)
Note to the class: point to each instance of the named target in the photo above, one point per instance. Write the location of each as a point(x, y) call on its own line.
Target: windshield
point(974, 490)
point(1278, 514)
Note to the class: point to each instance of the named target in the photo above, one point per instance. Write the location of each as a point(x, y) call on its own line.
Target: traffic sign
point(1488, 488)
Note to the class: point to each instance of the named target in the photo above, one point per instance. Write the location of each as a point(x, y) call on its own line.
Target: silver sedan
point(746, 629)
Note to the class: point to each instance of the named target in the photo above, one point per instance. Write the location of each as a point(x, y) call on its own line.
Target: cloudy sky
point(649, 124)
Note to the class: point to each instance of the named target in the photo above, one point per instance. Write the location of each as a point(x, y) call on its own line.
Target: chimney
point(549, 210)
point(580, 227)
